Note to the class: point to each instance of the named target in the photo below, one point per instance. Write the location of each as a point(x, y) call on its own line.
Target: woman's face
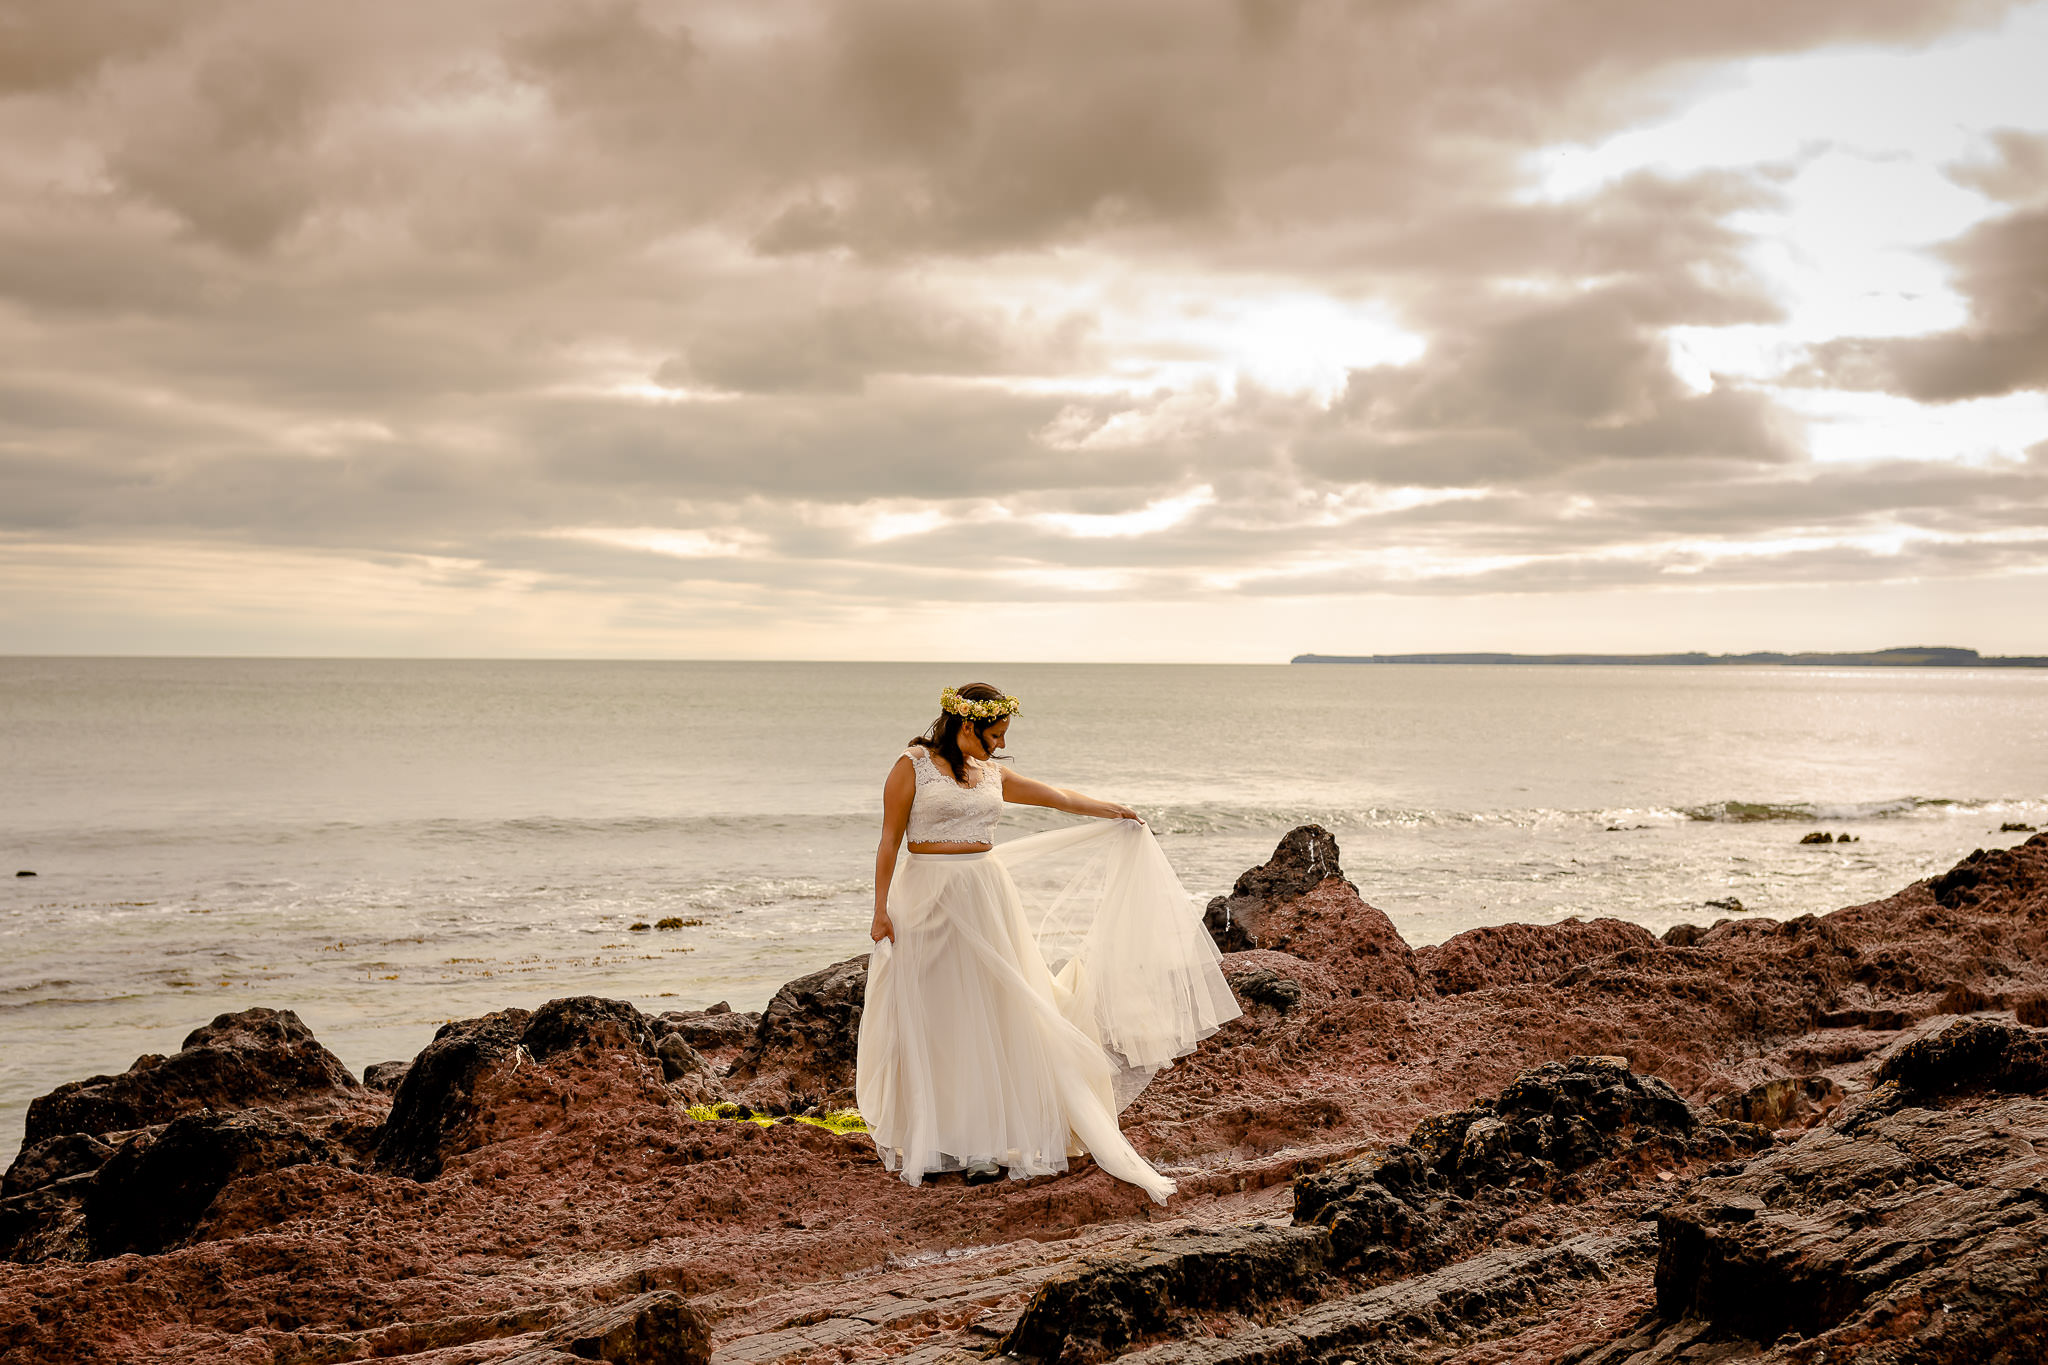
point(986, 744)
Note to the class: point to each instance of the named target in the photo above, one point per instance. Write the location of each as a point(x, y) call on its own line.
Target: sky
point(1170, 330)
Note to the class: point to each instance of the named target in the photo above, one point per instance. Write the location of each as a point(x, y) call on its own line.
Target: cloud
point(2016, 170)
point(55, 47)
point(2002, 349)
point(816, 345)
point(1147, 301)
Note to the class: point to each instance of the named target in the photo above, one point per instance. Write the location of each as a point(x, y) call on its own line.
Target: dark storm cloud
point(483, 280)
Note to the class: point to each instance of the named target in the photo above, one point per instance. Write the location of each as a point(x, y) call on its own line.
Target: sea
point(383, 846)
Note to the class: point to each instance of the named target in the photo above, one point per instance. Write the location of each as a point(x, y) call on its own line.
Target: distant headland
point(1916, 656)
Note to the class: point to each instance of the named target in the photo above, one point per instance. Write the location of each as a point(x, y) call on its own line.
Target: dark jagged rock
point(1461, 1175)
point(1508, 954)
point(1969, 1054)
point(1306, 857)
point(1108, 1301)
point(678, 1058)
point(802, 1053)
point(435, 1102)
point(1275, 986)
point(658, 1328)
point(582, 1022)
point(2014, 876)
point(1262, 986)
point(1461, 1304)
point(257, 1056)
point(385, 1076)
point(153, 1191)
point(688, 1072)
point(52, 1160)
point(46, 1223)
point(715, 1029)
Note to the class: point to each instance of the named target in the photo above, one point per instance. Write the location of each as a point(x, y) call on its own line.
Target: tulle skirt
point(996, 1034)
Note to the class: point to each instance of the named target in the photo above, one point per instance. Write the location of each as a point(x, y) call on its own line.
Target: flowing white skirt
point(993, 1037)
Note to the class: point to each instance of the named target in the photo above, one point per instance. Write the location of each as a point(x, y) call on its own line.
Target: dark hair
point(943, 738)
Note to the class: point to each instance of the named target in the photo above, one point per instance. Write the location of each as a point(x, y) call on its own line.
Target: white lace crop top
point(943, 811)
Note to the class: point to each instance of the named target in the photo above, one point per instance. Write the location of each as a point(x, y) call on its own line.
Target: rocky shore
point(1819, 1141)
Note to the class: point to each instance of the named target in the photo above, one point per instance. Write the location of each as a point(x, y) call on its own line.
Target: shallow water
point(384, 845)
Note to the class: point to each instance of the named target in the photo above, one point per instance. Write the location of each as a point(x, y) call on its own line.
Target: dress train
point(993, 1039)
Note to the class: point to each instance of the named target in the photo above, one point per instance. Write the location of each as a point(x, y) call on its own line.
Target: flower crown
point(992, 708)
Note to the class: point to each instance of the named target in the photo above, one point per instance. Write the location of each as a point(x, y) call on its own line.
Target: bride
point(994, 1036)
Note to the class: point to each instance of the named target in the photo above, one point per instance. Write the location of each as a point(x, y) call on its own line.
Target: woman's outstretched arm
point(897, 792)
point(1027, 791)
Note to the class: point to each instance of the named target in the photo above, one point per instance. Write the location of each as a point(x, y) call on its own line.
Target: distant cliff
point(1916, 656)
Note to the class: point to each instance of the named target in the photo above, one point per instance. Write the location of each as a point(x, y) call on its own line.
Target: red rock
point(1505, 954)
point(1299, 902)
point(1304, 859)
point(482, 1080)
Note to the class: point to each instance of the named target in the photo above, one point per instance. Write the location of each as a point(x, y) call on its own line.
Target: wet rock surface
point(1808, 1141)
point(52, 1160)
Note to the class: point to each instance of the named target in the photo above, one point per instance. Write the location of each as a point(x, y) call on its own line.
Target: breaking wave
point(1897, 808)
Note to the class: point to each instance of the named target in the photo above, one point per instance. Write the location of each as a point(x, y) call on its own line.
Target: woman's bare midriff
point(950, 848)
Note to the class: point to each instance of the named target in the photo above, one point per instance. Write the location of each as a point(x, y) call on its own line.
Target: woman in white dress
point(993, 1037)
